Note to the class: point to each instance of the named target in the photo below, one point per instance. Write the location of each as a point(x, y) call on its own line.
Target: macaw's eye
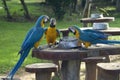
point(46, 19)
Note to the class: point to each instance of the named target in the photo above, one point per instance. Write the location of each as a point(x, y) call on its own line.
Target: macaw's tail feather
point(18, 64)
point(108, 42)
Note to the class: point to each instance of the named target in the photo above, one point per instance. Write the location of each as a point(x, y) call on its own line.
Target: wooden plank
point(53, 54)
point(110, 67)
point(42, 71)
point(41, 67)
point(92, 20)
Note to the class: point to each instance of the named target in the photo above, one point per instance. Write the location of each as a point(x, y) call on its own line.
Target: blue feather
point(94, 37)
point(33, 36)
point(106, 42)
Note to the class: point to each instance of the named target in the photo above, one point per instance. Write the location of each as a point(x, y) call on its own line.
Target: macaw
point(31, 40)
point(52, 33)
point(89, 37)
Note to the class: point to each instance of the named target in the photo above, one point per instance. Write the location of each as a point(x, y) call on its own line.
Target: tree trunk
point(7, 9)
point(118, 5)
point(25, 9)
point(86, 11)
point(74, 5)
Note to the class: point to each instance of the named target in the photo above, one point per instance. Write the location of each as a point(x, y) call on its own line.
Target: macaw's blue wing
point(27, 36)
point(106, 42)
point(91, 36)
point(34, 36)
point(95, 37)
point(101, 34)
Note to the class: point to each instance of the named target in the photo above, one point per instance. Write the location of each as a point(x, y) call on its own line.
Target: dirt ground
point(23, 76)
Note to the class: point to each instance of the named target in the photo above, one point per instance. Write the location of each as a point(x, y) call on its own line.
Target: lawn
point(12, 33)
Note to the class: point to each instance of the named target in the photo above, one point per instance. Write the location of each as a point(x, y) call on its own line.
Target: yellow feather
point(87, 44)
point(37, 43)
point(51, 35)
point(42, 23)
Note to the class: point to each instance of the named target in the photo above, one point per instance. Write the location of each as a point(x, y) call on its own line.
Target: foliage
point(59, 7)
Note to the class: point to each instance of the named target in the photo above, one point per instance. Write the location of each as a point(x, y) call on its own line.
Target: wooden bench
point(42, 71)
point(108, 71)
point(91, 63)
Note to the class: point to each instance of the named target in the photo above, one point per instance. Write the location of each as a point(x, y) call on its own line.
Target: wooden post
point(86, 11)
point(71, 70)
point(43, 75)
point(42, 71)
point(91, 66)
point(108, 71)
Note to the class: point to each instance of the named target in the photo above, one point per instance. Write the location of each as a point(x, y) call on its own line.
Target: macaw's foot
point(56, 43)
point(51, 45)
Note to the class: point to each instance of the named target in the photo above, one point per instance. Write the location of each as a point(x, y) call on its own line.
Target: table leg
point(70, 70)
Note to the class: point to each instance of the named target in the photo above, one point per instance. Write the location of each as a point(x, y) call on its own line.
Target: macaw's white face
point(52, 22)
point(72, 29)
point(45, 20)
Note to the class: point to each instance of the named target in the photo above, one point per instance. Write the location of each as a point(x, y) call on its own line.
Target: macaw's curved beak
point(46, 19)
point(52, 22)
point(71, 29)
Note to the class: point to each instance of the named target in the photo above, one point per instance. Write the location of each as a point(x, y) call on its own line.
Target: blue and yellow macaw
point(32, 40)
point(52, 33)
point(89, 37)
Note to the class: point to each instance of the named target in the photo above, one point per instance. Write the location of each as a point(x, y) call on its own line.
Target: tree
point(73, 5)
point(86, 11)
point(59, 7)
point(118, 5)
point(7, 9)
point(26, 13)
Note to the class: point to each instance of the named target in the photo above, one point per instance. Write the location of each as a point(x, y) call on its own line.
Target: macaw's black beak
point(52, 22)
point(71, 29)
point(52, 25)
point(46, 19)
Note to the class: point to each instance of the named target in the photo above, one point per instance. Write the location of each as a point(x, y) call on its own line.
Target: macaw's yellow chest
point(51, 35)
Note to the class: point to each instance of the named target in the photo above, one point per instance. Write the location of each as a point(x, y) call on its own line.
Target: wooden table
point(71, 59)
point(95, 20)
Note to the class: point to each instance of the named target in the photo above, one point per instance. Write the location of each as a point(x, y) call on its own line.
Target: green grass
point(11, 36)
point(12, 33)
